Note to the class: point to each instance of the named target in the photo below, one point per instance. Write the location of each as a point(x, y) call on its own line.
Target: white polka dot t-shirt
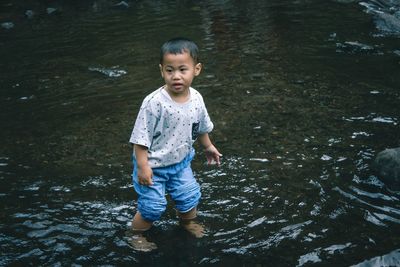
point(167, 128)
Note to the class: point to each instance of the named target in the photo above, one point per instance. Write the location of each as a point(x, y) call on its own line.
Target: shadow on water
point(303, 96)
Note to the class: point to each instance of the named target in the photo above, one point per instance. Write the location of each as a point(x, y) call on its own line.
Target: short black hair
point(180, 45)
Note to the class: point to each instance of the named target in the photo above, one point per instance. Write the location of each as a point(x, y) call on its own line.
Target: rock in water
point(29, 14)
point(7, 25)
point(387, 167)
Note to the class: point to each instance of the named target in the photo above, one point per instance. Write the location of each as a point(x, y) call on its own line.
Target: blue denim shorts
point(177, 180)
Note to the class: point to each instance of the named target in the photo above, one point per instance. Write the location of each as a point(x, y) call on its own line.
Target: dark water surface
point(303, 95)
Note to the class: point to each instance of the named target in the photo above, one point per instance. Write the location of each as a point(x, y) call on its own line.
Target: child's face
point(178, 71)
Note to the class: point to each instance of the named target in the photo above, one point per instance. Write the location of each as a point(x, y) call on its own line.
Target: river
point(303, 95)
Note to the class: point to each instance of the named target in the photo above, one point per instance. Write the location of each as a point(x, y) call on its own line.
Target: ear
point(162, 74)
point(197, 69)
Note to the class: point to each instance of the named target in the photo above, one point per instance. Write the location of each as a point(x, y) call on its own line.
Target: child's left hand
point(212, 155)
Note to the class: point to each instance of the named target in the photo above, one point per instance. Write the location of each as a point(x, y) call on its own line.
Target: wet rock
point(386, 15)
point(29, 14)
point(7, 25)
point(388, 22)
point(387, 167)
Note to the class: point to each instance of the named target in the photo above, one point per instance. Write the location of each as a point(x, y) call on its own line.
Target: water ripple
point(374, 216)
point(374, 118)
point(315, 256)
point(287, 232)
point(390, 259)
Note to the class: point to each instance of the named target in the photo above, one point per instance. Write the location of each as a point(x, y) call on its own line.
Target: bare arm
point(145, 173)
point(211, 152)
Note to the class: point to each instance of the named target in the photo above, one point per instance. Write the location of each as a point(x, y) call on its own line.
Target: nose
point(175, 75)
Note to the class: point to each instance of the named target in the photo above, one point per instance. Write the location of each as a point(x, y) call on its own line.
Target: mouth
point(177, 85)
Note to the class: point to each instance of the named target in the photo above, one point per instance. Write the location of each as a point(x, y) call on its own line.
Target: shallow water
point(303, 95)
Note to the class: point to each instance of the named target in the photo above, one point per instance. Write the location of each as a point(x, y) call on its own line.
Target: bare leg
point(138, 241)
point(188, 222)
point(139, 224)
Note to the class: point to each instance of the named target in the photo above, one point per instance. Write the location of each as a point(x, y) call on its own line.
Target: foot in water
point(194, 228)
point(140, 243)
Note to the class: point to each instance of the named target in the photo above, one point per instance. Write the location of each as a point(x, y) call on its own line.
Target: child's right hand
point(145, 175)
point(212, 155)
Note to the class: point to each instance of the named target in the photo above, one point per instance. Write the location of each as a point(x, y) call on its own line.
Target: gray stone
point(387, 167)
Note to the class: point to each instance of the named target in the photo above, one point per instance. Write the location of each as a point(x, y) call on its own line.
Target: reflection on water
point(303, 96)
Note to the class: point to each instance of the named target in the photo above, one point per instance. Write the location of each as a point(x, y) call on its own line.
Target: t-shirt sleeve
point(142, 133)
point(206, 124)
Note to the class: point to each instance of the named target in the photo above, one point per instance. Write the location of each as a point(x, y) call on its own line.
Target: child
point(169, 122)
